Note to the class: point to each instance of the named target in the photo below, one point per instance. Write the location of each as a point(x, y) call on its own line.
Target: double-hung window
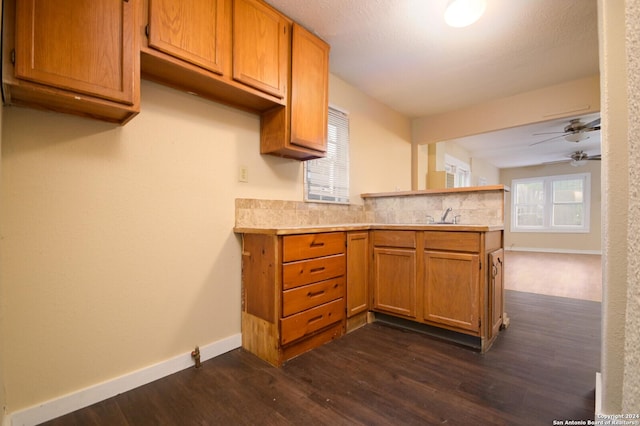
point(551, 203)
point(327, 179)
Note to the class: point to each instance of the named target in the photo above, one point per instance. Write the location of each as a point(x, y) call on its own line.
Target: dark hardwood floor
point(542, 368)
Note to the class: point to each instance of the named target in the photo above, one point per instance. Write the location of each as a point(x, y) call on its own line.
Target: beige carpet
point(578, 276)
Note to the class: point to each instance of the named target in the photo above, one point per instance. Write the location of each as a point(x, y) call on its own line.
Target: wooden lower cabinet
point(357, 293)
point(395, 272)
point(301, 291)
point(452, 284)
point(293, 293)
point(496, 290)
point(451, 289)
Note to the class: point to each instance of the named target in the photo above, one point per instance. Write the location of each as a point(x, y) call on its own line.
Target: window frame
point(548, 204)
point(340, 193)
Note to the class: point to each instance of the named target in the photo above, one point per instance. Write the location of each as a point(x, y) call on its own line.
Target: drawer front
point(308, 246)
point(308, 296)
point(299, 325)
point(394, 239)
point(295, 274)
point(452, 241)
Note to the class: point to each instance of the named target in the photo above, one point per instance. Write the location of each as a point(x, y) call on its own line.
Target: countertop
point(311, 229)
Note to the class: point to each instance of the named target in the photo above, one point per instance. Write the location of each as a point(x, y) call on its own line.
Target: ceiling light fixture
point(462, 13)
point(575, 137)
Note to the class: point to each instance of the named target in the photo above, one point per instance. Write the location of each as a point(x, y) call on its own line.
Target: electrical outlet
point(243, 174)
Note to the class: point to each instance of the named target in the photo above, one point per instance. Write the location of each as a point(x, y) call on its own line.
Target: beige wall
point(562, 100)
point(631, 385)
point(619, 50)
point(117, 241)
point(380, 154)
point(3, 398)
point(554, 241)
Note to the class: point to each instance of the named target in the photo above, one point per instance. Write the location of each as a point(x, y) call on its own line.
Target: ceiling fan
point(573, 132)
point(578, 158)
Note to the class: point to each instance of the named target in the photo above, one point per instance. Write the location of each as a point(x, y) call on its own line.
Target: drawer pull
point(315, 293)
point(314, 270)
point(316, 244)
point(314, 319)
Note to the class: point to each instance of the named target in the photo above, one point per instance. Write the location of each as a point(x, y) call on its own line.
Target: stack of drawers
point(313, 284)
point(293, 293)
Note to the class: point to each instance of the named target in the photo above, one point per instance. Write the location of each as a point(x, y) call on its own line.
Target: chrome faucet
point(444, 216)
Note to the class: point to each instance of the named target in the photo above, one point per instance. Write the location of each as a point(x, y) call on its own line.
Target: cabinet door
point(83, 46)
point(496, 289)
point(357, 273)
point(189, 30)
point(394, 281)
point(260, 47)
point(451, 289)
point(309, 90)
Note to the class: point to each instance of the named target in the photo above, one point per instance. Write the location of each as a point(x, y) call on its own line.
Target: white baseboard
point(598, 407)
point(83, 398)
point(552, 250)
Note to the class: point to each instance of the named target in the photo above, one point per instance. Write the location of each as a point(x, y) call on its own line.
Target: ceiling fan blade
point(548, 133)
point(547, 140)
point(593, 124)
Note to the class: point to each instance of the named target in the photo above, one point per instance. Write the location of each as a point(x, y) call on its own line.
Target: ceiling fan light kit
point(462, 13)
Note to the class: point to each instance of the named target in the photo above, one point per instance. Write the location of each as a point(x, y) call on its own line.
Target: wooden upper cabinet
point(193, 31)
point(299, 129)
point(309, 90)
point(260, 47)
point(76, 53)
point(190, 46)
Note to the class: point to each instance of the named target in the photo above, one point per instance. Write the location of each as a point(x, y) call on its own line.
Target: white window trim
point(339, 198)
point(548, 204)
point(458, 165)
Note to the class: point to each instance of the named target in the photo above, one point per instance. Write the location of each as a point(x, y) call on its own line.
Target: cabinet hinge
point(13, 56)
point(479, 322)
point(146, 30)
point(480, 265)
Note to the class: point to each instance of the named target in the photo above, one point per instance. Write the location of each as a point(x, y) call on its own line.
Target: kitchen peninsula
point(308, 280)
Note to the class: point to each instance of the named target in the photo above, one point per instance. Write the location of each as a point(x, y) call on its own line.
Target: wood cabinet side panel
point(357, 273)
point(496, 288)
point(260, 271)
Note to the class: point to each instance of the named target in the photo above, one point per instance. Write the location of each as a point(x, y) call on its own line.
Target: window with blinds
point(327, 179)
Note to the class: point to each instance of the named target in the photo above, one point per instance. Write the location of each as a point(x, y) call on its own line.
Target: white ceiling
point(403, 54)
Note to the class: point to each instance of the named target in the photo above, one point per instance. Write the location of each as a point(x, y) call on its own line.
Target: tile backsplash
point(472, 208)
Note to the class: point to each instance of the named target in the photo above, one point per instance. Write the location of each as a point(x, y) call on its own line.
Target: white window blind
point(327, 179)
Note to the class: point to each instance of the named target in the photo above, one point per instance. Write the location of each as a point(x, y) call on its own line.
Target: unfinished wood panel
point(259, 285)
